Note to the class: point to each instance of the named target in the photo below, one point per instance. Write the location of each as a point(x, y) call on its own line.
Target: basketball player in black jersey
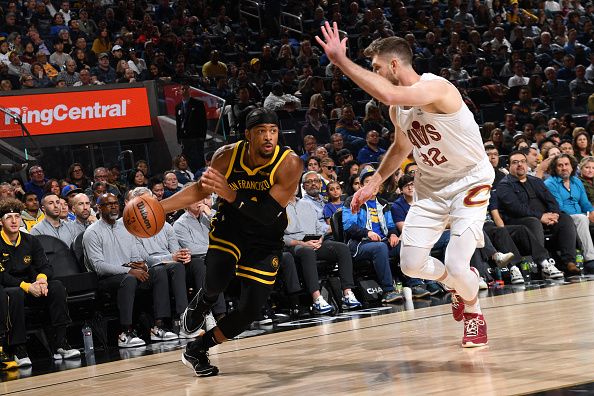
point(254, 179)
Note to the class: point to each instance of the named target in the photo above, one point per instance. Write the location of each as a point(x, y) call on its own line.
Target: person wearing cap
point(27, 279)
point(104, 72)
point(553, 136)
point(191, 125)
point(254, 179)
point(52, 225)
point(117, 54)
point(67, 193)
point(371, 234)
point(257, 74)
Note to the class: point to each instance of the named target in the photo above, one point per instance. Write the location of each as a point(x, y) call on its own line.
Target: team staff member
point(25, 273)
point(255, 179)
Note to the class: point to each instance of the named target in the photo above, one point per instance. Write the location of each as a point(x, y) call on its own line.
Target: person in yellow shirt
point(31, 214)
point(213, 68)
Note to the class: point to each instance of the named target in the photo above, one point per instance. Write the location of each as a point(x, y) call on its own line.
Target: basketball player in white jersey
point(454, 178)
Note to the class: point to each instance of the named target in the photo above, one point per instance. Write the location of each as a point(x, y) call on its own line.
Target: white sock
point(475, 308)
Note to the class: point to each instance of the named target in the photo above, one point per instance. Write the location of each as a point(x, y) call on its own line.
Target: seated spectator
point(310, 144)
point(581, 144)
point(171, 184)
point(370, 235)
point(572, 199)
point(166, 260)
point(314, 126)
point(566, 148)
point(27, 280)
point(81, 207)
point(303, 222)
point(192, 229)
point(518, 79)
point(52, 225)
point(214, 68)
point(327, 173)
point(525, 200)
point(136, 178)
point(36, 182)
point(59, 57)
point(334, 194)
point(70, 75)
point(371, 152)
point(278, 100)
point(312, 185)
point(553, 87)
point(182, 170)
point(101, 174)
point(350, 129)
point(101, 44)
point(113, 254)
point(586, 167)
point(493, 155)
point(344, 157)
point(104, 72)
point(526, 106)
point(336, 144)
point(76, 175)
point(374, 120)
point(457, 72)
point(31, 214)
point(339, 102)
point(16, 67)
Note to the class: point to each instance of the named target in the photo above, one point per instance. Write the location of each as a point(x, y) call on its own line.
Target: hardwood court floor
point(541, 339)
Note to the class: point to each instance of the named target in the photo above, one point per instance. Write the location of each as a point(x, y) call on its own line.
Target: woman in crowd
point(102, 43)
point(137, 178)
point(182, 170)
point(586, 168)
point(40, 78)
point(348, 169)
point(313, 164)
point(581, 143)
point(52, 186)
point(353, 185)
point(76, 175)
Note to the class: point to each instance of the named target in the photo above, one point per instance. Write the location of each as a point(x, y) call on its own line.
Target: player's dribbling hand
point(334, 47)
point(215, 182)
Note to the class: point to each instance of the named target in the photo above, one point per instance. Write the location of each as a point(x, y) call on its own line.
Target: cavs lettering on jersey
point(446, 146)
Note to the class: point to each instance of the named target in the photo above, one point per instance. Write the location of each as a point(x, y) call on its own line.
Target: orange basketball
point(144, 216)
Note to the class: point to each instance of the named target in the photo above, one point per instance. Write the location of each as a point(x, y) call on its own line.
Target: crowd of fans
point(531, 61)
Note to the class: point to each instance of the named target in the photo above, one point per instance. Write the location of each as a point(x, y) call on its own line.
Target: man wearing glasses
point(525, 200)
point(36, 182)
point(312, 185)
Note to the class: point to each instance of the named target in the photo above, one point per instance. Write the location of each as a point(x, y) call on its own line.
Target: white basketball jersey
point(446, 146)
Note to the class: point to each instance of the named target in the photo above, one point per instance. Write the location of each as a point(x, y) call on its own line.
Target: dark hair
point(132, 176)
point(71, 169)
point(48, 186)
point(515, 152)
point(404, 180)
point(553, 165)
point(26, 194)
point(390, 45)
point(490, 147)
point(154, 181)
point(407, 167)
point(348, 188)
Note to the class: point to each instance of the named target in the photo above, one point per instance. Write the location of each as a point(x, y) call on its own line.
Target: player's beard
point(392, 78)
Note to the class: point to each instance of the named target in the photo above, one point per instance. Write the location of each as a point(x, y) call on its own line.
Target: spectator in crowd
point(350, 129)
point(100, 174)
point(136, 178)
point(572, 199)
point(17, 67)
point(334, 194)
point(113, 254)
point(81, 207)
point(305, 239)
point(371, 151)
point(493, 155)
point(192, 229)
point(310, 145)
point(525, 200)
point(104, 72)
point(312, 185)
point(581, 144)
point(314, 126)
point(36, 182)
point(27, 280)
point(51, 224)
point(70, 75)
point(336, 144)
point(182, 171)
point(279, 100)
point(371, 234)
point(526, 106)
point(76, 175)
point(214, 67)
point(555, 88)
point(101, 44)
point(171, 184)
point(31, 214)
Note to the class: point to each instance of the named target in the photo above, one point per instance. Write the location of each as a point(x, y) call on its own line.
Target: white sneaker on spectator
point(209, 322)
point(129, 339)
point(66, 352)
point(502, 259)
point(21, 357)
point(321, 306)
point(549, 271)
point(160, 334)
point(516, 275)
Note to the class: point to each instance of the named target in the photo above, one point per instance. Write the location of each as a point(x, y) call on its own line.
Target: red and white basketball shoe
point(475, 330)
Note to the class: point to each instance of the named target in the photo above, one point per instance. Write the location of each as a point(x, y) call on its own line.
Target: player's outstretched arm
point(420, 94)
point(197, 192)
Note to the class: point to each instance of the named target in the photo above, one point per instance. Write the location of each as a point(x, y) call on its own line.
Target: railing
point(252, 10)
point(286, 17)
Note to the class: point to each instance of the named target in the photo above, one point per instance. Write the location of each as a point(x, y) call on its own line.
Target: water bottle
point(526, 269)
point(88, 338)
point(579, 259)
point(398, 287)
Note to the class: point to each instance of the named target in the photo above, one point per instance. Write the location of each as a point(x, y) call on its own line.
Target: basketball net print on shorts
point(477, 196)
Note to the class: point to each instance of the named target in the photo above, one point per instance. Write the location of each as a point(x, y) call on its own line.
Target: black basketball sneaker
point(197, 360)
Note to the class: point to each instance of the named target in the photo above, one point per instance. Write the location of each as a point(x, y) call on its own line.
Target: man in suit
point(190, 118)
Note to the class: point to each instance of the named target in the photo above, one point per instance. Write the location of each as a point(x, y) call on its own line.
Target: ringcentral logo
point(62, 112)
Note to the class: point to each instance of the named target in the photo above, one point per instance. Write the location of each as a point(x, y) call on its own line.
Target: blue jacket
point(513, 200)
point(357, 225)
point(571, 202)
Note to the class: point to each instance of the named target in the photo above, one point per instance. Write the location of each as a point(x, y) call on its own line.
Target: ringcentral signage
point(80, 111)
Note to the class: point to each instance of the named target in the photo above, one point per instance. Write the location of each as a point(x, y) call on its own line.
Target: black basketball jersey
point(257, 182)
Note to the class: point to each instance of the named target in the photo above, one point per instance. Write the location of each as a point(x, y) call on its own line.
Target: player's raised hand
point(334, 47)
point(361, 196)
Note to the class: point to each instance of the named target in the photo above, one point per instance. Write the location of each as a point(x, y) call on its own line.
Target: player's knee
point(412, 260)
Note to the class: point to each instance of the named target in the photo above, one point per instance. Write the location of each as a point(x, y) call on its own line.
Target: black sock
point(203, 343)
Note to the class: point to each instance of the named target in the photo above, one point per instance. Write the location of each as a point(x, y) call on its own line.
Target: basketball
point(144, 216)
